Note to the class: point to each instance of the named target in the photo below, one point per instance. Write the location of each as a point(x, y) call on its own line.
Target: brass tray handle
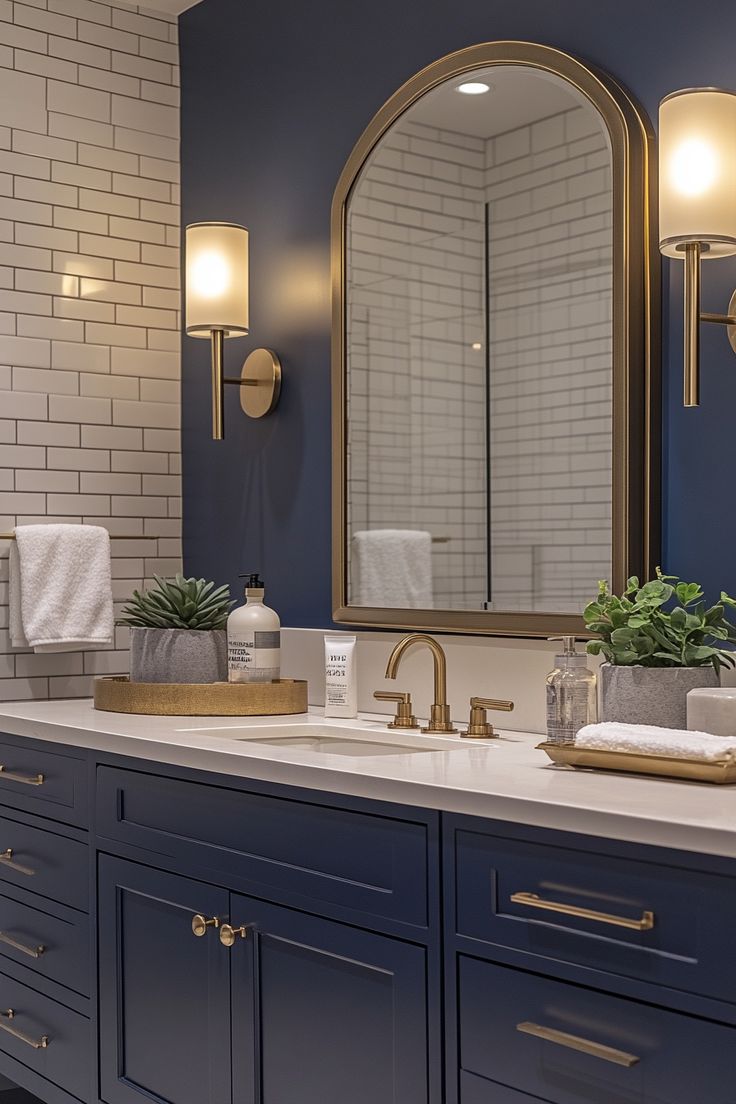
point(575, 1042)
point(200, 924)
point(32, 952)
point(533, 900)
point(26, 779)
point(6, 857)
point(37, 1044)
point(229, 934)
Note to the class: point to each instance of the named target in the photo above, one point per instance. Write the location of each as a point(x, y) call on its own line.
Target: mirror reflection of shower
point(479, 364)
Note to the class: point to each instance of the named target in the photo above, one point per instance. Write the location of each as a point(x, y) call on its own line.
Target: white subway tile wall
point(418, 448)
point(89, 299)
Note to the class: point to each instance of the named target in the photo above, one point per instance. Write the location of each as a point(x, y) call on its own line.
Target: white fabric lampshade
point(697, 172)
point(216, 279)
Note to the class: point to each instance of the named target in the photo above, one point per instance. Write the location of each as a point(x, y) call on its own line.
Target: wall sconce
point(216, 287)
point(697, 202)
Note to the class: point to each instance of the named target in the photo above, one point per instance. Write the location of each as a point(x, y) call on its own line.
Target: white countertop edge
point(690, 833)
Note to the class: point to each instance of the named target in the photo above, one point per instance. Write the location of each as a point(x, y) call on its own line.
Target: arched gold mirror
point(495, 348)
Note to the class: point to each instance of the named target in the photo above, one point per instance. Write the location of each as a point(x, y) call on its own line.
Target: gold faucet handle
point(404, 717)
point(478, 726)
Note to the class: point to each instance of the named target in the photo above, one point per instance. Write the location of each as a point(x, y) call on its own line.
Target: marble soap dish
point(712, 709)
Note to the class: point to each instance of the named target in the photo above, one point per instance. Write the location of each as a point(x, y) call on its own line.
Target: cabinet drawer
point(54, 945)
point(478, 1090)
point(330, 856)
point(66, 1058)
point(635, 919)
point(42, 782)
point(564, 1043)
point(44, 862)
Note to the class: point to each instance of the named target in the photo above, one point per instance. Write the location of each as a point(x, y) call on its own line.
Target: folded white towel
point(650, 740)
point(60, 588)
point(392, 568)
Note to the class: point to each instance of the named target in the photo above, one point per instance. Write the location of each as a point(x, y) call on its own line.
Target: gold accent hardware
point(6, 857)
point(533, 900)
point(691, 391)
point(720, 772)
point(635, 330)
point(37, 1044)
point(404, 717)
point(112, 536)
point(575, 1042)
point(117, 694)
point(228, 934)
point(218, 391)
point(200, 924)
point(478, 725)
point(259, 383)
point(27, 780)
point(32, 952)
point(439, 720)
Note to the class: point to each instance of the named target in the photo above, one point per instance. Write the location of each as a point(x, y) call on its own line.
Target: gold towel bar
point(113, 536)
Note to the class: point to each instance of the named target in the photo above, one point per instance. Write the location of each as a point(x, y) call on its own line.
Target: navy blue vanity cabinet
point(164, 993)
point(46, 1036)
point(324, 1013)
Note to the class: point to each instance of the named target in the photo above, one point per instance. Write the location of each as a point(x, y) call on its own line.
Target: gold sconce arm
point(691, 396)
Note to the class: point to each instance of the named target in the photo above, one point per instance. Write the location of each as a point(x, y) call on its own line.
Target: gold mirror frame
point(636, 313)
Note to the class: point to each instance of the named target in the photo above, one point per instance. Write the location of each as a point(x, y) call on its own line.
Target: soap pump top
point(255, 587)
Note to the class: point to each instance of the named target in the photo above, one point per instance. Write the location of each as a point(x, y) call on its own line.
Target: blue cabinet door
point(164, 993)
point(324, 1013)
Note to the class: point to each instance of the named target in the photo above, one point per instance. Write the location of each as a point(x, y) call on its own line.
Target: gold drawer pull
point(200, 924)
point(228, 934)
point(532, 900)
point(32, 952)
point(6, 857)
point(27, 780)
point(574, 1042)
point(37, 1044)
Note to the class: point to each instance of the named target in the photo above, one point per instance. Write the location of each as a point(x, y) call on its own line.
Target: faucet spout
point(440, 715)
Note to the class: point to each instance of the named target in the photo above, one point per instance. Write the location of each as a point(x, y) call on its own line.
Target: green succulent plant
point(662, 623)
point(179, 603)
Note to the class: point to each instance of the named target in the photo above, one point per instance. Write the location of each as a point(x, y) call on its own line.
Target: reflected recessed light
point(474, 88)
point(476, 345)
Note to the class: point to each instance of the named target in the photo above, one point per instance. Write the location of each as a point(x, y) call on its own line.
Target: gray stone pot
point(178, 655)
point(650, 695)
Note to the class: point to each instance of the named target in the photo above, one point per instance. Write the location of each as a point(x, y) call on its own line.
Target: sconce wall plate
point(259, 383)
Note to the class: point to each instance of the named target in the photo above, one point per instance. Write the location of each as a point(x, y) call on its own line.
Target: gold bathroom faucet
point(439, 719)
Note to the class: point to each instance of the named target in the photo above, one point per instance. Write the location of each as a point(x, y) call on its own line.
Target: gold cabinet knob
point(228, 934)
point(404, 717)
point(478, 726)
point(200, 924)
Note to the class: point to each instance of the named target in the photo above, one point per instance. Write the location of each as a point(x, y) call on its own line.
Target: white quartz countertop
point(503, 779)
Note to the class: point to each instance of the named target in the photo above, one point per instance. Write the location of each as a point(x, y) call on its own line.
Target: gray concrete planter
point(650, 695)
point(178, 655)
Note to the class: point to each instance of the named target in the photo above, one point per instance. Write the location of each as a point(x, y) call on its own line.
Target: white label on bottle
point(253, 656)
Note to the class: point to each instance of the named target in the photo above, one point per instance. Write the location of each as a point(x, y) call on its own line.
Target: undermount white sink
point(334, 740)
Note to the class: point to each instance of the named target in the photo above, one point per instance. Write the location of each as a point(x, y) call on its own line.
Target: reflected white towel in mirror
point(392, 568)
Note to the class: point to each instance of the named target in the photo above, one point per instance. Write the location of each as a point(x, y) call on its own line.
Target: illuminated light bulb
point(694, 167)
point(476, 345)
point(210, 275)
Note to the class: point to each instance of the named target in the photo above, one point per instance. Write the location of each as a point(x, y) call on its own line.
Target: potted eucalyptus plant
point(178, 631)
point(659, 641)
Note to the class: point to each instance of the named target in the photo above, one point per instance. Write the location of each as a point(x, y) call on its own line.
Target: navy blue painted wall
point(274, 95)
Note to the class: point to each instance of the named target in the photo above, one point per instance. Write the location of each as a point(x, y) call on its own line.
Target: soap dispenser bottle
point(571, 694)
point(253, 637)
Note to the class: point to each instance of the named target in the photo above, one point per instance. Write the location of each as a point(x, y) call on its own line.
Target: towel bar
point(113, 536)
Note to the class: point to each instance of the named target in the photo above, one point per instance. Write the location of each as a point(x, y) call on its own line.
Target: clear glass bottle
point(571, 694)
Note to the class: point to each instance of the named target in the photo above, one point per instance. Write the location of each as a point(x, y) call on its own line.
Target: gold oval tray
point(663, 766)
point(117, 694)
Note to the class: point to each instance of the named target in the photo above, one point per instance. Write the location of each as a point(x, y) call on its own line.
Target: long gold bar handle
point(37, 1044)
point(532, 900)
point(575, 1042)
point(6, 857)
point(200, 924)
point(32, 952)
point(27, 780)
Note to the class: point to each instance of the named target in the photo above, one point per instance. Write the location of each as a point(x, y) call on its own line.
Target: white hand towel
point(392, 568)
point(650, 740)
point(60, 588)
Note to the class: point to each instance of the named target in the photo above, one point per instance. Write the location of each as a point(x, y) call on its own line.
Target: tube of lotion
point(341, 677)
